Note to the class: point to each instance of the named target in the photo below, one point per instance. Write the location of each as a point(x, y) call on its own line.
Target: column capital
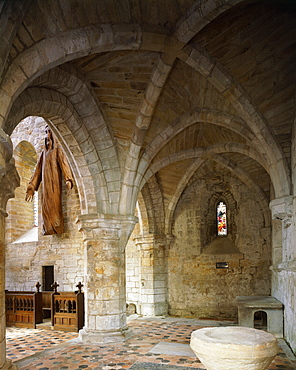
point(106, 226)
point(282, 208)
point(148, 241)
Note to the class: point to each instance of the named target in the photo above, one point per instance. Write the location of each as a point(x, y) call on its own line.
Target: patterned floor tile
point(51, 350)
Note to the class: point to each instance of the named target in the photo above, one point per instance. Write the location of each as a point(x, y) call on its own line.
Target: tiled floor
point(155, 343)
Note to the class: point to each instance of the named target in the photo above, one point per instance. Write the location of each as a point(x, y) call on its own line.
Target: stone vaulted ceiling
point(169, 85)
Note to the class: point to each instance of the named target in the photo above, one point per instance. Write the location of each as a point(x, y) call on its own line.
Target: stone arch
point(84, 161)
point(196, 18)
point(221, 119)
point(190, 172)
point(66, 80)
point(199, 15)
point(218, 118)
point(263, 138)
point(70, 45)
point(11, 17)
point(202, 153)
point(143, 215)
point(152, 197)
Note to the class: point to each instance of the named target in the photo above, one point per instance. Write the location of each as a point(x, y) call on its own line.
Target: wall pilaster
point(105, 238)
point(282, 212)
point(9, 180)
point(153, 275)
point(284, 270)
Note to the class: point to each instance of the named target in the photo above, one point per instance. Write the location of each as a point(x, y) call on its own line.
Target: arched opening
point(260, 320)
point(25, 160)
point(23, 235)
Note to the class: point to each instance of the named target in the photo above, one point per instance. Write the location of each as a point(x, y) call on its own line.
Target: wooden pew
point(23, 309)
point(67, 309)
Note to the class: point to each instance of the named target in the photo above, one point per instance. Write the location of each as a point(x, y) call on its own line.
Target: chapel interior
point(177, 118)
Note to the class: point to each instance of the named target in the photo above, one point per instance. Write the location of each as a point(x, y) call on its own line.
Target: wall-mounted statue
point(50, 167)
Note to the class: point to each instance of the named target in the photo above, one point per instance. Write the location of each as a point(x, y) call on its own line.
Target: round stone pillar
point(105, 238)
point(153, 275)
point(9, 180)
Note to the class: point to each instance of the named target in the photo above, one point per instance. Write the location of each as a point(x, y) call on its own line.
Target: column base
point(9, 365)
point(154, 309)
point(97, 336)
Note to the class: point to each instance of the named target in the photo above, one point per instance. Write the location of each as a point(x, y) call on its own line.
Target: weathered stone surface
point(232, 348)
point(212, 85)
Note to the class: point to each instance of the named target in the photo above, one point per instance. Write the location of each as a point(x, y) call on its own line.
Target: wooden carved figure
point(50, 167)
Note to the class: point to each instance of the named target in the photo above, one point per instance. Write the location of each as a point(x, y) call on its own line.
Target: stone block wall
point(196, 288)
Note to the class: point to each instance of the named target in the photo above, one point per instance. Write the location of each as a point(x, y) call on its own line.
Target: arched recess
point(79, 148)
point(262, 200)
point(25, 161)
point(217, 118)
point(213, 117)
point(201, 153)
point(210, 233)
point(97, 138)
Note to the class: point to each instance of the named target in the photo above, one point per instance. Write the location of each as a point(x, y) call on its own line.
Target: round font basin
point(232, 347)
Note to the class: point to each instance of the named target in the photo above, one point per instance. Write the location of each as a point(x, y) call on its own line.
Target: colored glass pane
point(221, 219)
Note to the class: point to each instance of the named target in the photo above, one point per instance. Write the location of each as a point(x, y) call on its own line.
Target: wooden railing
point(23, 309)
point(67, 309)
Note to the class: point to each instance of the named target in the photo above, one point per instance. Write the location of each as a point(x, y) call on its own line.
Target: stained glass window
point(221, 219)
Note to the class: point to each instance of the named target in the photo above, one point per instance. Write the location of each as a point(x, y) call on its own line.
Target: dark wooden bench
point(23, 309)
point(67, 310)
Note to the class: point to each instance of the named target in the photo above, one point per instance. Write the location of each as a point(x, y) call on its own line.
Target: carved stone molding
point(106, 227)
point(282, 208)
